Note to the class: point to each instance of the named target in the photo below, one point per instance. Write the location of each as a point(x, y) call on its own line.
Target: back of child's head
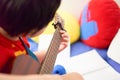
point(23, 16)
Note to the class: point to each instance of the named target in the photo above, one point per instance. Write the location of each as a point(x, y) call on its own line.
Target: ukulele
point(25, 64)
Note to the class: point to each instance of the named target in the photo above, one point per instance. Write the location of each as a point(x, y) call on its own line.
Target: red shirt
point(8, 51)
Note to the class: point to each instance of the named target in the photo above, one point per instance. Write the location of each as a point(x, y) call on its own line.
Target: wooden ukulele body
point(24, 64)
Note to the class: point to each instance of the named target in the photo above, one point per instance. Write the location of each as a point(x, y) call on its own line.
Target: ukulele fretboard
point(48, 63)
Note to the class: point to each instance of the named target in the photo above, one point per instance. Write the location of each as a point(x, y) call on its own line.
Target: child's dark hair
point(23, 16)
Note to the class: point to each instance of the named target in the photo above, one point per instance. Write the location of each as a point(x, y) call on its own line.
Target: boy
point(26, 18)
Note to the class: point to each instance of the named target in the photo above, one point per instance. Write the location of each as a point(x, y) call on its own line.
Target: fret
point(48, 64)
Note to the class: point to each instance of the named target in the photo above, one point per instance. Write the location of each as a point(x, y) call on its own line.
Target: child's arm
point(70, 76)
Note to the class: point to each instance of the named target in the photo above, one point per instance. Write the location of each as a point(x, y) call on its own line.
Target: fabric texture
point(99, 23)
point(8, 51)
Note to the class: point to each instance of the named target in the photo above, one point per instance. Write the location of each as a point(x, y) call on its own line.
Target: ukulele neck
point(50, 58)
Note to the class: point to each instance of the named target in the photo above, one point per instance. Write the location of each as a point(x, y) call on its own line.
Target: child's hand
point(65, 40)
point(63, 45)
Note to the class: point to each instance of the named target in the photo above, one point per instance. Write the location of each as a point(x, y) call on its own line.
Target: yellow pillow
point(71, 25)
